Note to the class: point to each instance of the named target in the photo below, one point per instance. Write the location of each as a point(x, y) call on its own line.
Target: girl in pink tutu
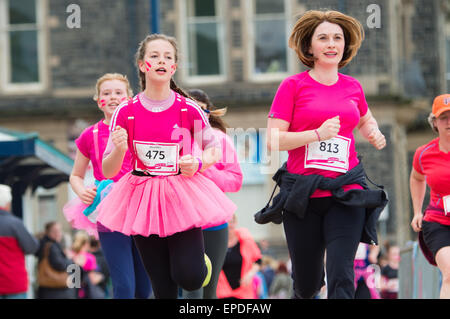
point(164, 202)
point(127, 271)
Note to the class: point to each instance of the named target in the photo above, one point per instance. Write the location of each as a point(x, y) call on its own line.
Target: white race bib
point(158, 158)
point(446, 200)
point(330, 155)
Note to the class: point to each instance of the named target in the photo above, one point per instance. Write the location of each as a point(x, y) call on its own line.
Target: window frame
point(221, 35)
point(6, 86)
point(249, 17)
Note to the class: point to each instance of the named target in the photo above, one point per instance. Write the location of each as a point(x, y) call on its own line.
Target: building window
point(203, 40)
point(268, 28)
point(21, 37)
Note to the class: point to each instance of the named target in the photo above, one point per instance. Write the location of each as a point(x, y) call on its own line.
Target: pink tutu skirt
point(73, 211)
point(164, 205)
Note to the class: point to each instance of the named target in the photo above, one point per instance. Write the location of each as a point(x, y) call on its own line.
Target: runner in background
point(431, 167)
point(128, 275)
point(227, 175)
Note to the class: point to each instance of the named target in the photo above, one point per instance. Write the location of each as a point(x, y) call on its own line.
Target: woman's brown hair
point(141, 53)
point(300, 38)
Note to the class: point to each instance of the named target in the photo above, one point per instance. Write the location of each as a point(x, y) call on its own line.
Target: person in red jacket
point(242, 262)
point(15, 243)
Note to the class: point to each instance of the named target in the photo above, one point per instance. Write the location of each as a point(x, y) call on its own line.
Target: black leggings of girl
point(176, 260)
point(328, 226)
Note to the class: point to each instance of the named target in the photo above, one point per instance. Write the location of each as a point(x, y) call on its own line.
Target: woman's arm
point(418, 186)
point(76, 179)
point(279, 139)
point(368, 127)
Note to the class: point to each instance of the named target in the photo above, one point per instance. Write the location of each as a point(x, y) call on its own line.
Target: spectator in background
point(282, 284)
point(389, 274)
point(102, 266)
point(15, 243)
point(81, 256)
point(58, 260)
point(242, 262)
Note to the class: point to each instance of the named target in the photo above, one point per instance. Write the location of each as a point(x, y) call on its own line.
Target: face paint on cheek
point(123, 99)
point(173, 69)
point(102, 103)
point(147, 66)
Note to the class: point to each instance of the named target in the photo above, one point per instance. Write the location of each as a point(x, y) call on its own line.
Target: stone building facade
point(236, 51)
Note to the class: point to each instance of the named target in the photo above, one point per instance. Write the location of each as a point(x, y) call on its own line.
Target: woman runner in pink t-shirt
point(163, 202)
point(313, 116)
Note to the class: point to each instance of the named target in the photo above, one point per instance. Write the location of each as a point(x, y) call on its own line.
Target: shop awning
point(27, 161)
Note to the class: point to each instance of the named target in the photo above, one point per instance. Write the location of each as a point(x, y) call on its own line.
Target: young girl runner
point(164, 202)
point(227, 175)
point(128, 275)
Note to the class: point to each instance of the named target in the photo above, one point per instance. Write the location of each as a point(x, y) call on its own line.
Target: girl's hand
point(329, 129)
point(88, 195)
point(377, 139)
point(188, 165)
point(120, 138)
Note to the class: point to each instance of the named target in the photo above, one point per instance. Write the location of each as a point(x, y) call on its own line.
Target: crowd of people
point(163, 165)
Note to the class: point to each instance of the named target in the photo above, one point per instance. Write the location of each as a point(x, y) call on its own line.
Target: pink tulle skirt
point(164, 205)
point(73, 211)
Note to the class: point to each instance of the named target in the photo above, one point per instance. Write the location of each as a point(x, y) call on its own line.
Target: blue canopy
point(27, 161)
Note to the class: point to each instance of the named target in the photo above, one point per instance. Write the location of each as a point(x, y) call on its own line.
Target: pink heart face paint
point(102, 103)
point(173, 69)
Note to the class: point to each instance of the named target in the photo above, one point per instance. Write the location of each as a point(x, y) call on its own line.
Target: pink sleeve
point(91, 263)
point(283, 102)
point(84, 141)
point(227, 173)
point(416, 160)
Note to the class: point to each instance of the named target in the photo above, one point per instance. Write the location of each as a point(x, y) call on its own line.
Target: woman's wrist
point(317, 135)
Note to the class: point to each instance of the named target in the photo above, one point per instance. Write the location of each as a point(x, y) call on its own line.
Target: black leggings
point(173, 261)
point(328, 226)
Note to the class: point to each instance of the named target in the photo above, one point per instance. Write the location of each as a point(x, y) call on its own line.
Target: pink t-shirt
point(306, 104)
point(85, 143)
point(159, 126)
point(431, 162)
point(226, 173)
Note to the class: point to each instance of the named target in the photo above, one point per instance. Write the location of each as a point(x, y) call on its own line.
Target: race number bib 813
point(446, 200)
point(331, 155)
point(158, 158)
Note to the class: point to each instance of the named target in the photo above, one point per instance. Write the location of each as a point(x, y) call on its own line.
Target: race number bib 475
point(158, 158)
point(330, 155)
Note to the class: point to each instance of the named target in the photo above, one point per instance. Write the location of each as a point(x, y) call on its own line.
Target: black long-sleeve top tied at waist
point(295, 192)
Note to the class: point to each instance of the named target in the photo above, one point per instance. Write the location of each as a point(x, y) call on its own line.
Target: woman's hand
point(329, 129)
point(377, 139)
point(188, 165)
point(416, 222)
point(120, 138)
point(88, 195)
